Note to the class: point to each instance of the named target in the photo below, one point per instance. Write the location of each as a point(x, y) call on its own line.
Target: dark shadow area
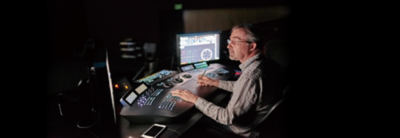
point(70, 24)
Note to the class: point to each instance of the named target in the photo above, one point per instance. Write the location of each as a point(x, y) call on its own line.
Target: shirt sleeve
point(243, 98)
point(226, 85)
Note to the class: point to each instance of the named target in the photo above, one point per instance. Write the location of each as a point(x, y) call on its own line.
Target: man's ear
point(253, 46)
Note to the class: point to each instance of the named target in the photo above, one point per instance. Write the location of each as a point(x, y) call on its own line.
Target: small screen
point(155, 76)
point(131, 97)
point(154, 130)
point(201, 65)
point(188, 67)
point(198, 47)
point(141, 88)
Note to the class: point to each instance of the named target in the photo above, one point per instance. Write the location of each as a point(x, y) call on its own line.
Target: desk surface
point(130, 130)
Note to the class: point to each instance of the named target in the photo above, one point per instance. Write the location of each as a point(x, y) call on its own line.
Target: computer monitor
point(102, 89)
point(198, 47)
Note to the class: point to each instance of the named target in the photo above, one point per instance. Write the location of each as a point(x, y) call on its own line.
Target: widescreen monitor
point(102, 89)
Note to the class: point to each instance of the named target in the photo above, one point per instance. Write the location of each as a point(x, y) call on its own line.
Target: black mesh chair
point(272, 125)
point(279, 51)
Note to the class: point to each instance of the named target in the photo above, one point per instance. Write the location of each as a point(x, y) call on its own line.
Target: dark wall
point(71, 22)
point(66, 28)
point(66, 34)
point(108, 22)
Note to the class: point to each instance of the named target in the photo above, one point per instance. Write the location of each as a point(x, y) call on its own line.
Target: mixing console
point(157, 105)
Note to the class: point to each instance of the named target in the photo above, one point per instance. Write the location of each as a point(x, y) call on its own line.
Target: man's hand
point(206, 81)
point(185, 95)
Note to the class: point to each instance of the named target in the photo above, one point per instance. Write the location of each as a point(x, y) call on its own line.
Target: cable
point(89, 126)
point(140, 71)
point(59, 107)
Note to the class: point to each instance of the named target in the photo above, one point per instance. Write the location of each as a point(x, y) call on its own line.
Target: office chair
point(272, 124)
point(279, 50)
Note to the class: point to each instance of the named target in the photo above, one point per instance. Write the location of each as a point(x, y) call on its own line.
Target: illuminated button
point(162, 103)
point(211, 75)
point(172, 107)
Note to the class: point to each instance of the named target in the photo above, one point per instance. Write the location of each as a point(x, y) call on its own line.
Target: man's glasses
point(235, 42)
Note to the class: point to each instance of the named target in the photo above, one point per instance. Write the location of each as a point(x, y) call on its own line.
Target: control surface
point(157, 105)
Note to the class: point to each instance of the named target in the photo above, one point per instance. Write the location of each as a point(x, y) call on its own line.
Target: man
point(258, 87)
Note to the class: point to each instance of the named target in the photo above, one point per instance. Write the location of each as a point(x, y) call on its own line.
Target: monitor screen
point(102, 88)
point(198, 47)
point(187, 67)
point(141, 88)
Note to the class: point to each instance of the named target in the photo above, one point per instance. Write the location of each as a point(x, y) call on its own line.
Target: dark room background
point(70, 23)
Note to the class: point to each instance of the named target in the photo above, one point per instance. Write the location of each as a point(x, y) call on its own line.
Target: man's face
point(238, 48)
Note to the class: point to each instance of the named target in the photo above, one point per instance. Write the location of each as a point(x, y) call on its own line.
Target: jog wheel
point(168, 85)
point(178, 80)
point(186, 75)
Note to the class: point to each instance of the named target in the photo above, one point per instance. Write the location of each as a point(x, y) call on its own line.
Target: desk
point(128, 130)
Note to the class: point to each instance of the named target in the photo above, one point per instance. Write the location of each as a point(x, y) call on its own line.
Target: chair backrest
point(287, 88)
point(276, 111)
point(271, 110)
point(279, 51)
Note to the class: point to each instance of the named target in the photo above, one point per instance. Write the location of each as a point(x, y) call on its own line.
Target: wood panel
point(224, 19)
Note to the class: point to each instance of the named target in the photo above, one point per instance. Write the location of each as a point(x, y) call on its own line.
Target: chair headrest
point(278, 50)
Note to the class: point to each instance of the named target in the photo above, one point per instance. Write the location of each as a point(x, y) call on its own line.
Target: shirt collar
point(249, 61)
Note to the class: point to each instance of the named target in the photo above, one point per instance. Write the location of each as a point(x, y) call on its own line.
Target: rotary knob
point(187, 76)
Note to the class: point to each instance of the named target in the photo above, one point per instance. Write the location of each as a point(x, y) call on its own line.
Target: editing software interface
point(198, 47)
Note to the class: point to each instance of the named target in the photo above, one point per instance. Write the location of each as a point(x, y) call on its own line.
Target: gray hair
point(253, 33)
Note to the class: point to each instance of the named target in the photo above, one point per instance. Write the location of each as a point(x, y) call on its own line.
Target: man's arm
point(242, 100)
point(206, 81)
point(226, 85)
